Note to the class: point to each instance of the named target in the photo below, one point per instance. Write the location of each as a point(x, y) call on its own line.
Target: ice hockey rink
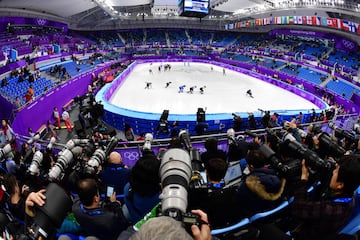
point(224, 92)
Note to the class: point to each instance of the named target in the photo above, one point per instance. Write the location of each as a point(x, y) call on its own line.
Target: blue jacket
point(115, 175)
point(138, 205)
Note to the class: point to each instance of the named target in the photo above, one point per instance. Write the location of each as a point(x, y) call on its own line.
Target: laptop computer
point(233, 174)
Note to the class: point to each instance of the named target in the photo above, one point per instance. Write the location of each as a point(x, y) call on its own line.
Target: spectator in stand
point(262, 188)
point(56, 116)
point(27, 97)
point(31, 91)
point(8, 131)
point(66, 118)
point(104, 221)
point(143, 190)
point(212, 151)
point(17, 103)
point(115, 173)
point(4, 82)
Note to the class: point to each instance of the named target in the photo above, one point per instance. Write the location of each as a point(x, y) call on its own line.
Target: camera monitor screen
point(233, 173)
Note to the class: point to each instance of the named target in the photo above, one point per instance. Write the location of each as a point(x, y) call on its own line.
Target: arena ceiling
point(108, 13)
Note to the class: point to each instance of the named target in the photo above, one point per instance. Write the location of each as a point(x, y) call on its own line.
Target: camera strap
point(91, 213)
point(216, 185)
point(342, 200)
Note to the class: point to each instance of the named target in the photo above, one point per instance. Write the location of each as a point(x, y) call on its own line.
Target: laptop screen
point(233, 173)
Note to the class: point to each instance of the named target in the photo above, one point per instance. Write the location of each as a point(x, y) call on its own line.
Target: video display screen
point(193, 8)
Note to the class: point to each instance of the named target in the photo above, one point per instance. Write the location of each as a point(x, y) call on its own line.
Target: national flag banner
point(339, 22)
point(313, 18)
point(272, 20)
point(299, 20)
point(309, 20)
point(324, 21)
point(285, 19)
point(304, 19)
point(242, 24)
point(318, 21)
point(258, 22)
point(332, 22)
point(267, 21)
point(344, 25)
point(353, 27)
point(277, 20)
point(291, 19)
point(231, 26)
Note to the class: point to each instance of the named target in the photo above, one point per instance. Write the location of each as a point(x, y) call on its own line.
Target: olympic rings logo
point(41, 21)
point(349, 45)
point(132, 156)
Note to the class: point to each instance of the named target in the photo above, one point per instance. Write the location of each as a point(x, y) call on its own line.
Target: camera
point(64, 160)
point(331, 147)
point(49, 216)
point(176, 174)
point(99, 157)
point(179, 172)
point(356, 127)
point(250, 133)
point(147, 142)
point(33, 139)
point(5, 151)
point(341, 133)
point(311, 159)
point(72, 150)
point(34, 168)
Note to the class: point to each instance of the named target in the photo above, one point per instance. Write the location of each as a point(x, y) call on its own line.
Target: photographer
point(237, 122)
point(17, 198)
point(105, 221)
point(212, 151)
point(323, 219)
point(143, 191)
point(221, 204)
point(168, 228)
point(115, 173)
point(262, 188)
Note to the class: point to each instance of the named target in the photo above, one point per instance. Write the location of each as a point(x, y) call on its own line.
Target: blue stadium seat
point(238, 225)
point(269, 213)
point(353, 226)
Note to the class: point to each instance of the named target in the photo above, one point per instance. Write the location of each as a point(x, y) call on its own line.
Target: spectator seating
point(342, 88)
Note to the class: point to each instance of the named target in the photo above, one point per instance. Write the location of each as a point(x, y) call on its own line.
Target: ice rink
point(223, 93)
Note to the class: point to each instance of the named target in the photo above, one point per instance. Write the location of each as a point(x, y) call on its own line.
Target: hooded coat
point(261, 191)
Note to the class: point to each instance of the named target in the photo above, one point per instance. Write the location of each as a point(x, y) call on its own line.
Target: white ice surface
point(223, 93)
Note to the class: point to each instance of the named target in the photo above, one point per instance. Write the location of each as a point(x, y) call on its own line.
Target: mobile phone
point(109, 191)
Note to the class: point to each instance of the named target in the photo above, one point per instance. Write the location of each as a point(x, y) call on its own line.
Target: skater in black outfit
point(148, 85)
point(249, 93)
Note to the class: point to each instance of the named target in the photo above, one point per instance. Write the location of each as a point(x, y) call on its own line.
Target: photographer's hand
point(202, 233)
point(304, 171)
point(113, 197)
point(37, 198)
